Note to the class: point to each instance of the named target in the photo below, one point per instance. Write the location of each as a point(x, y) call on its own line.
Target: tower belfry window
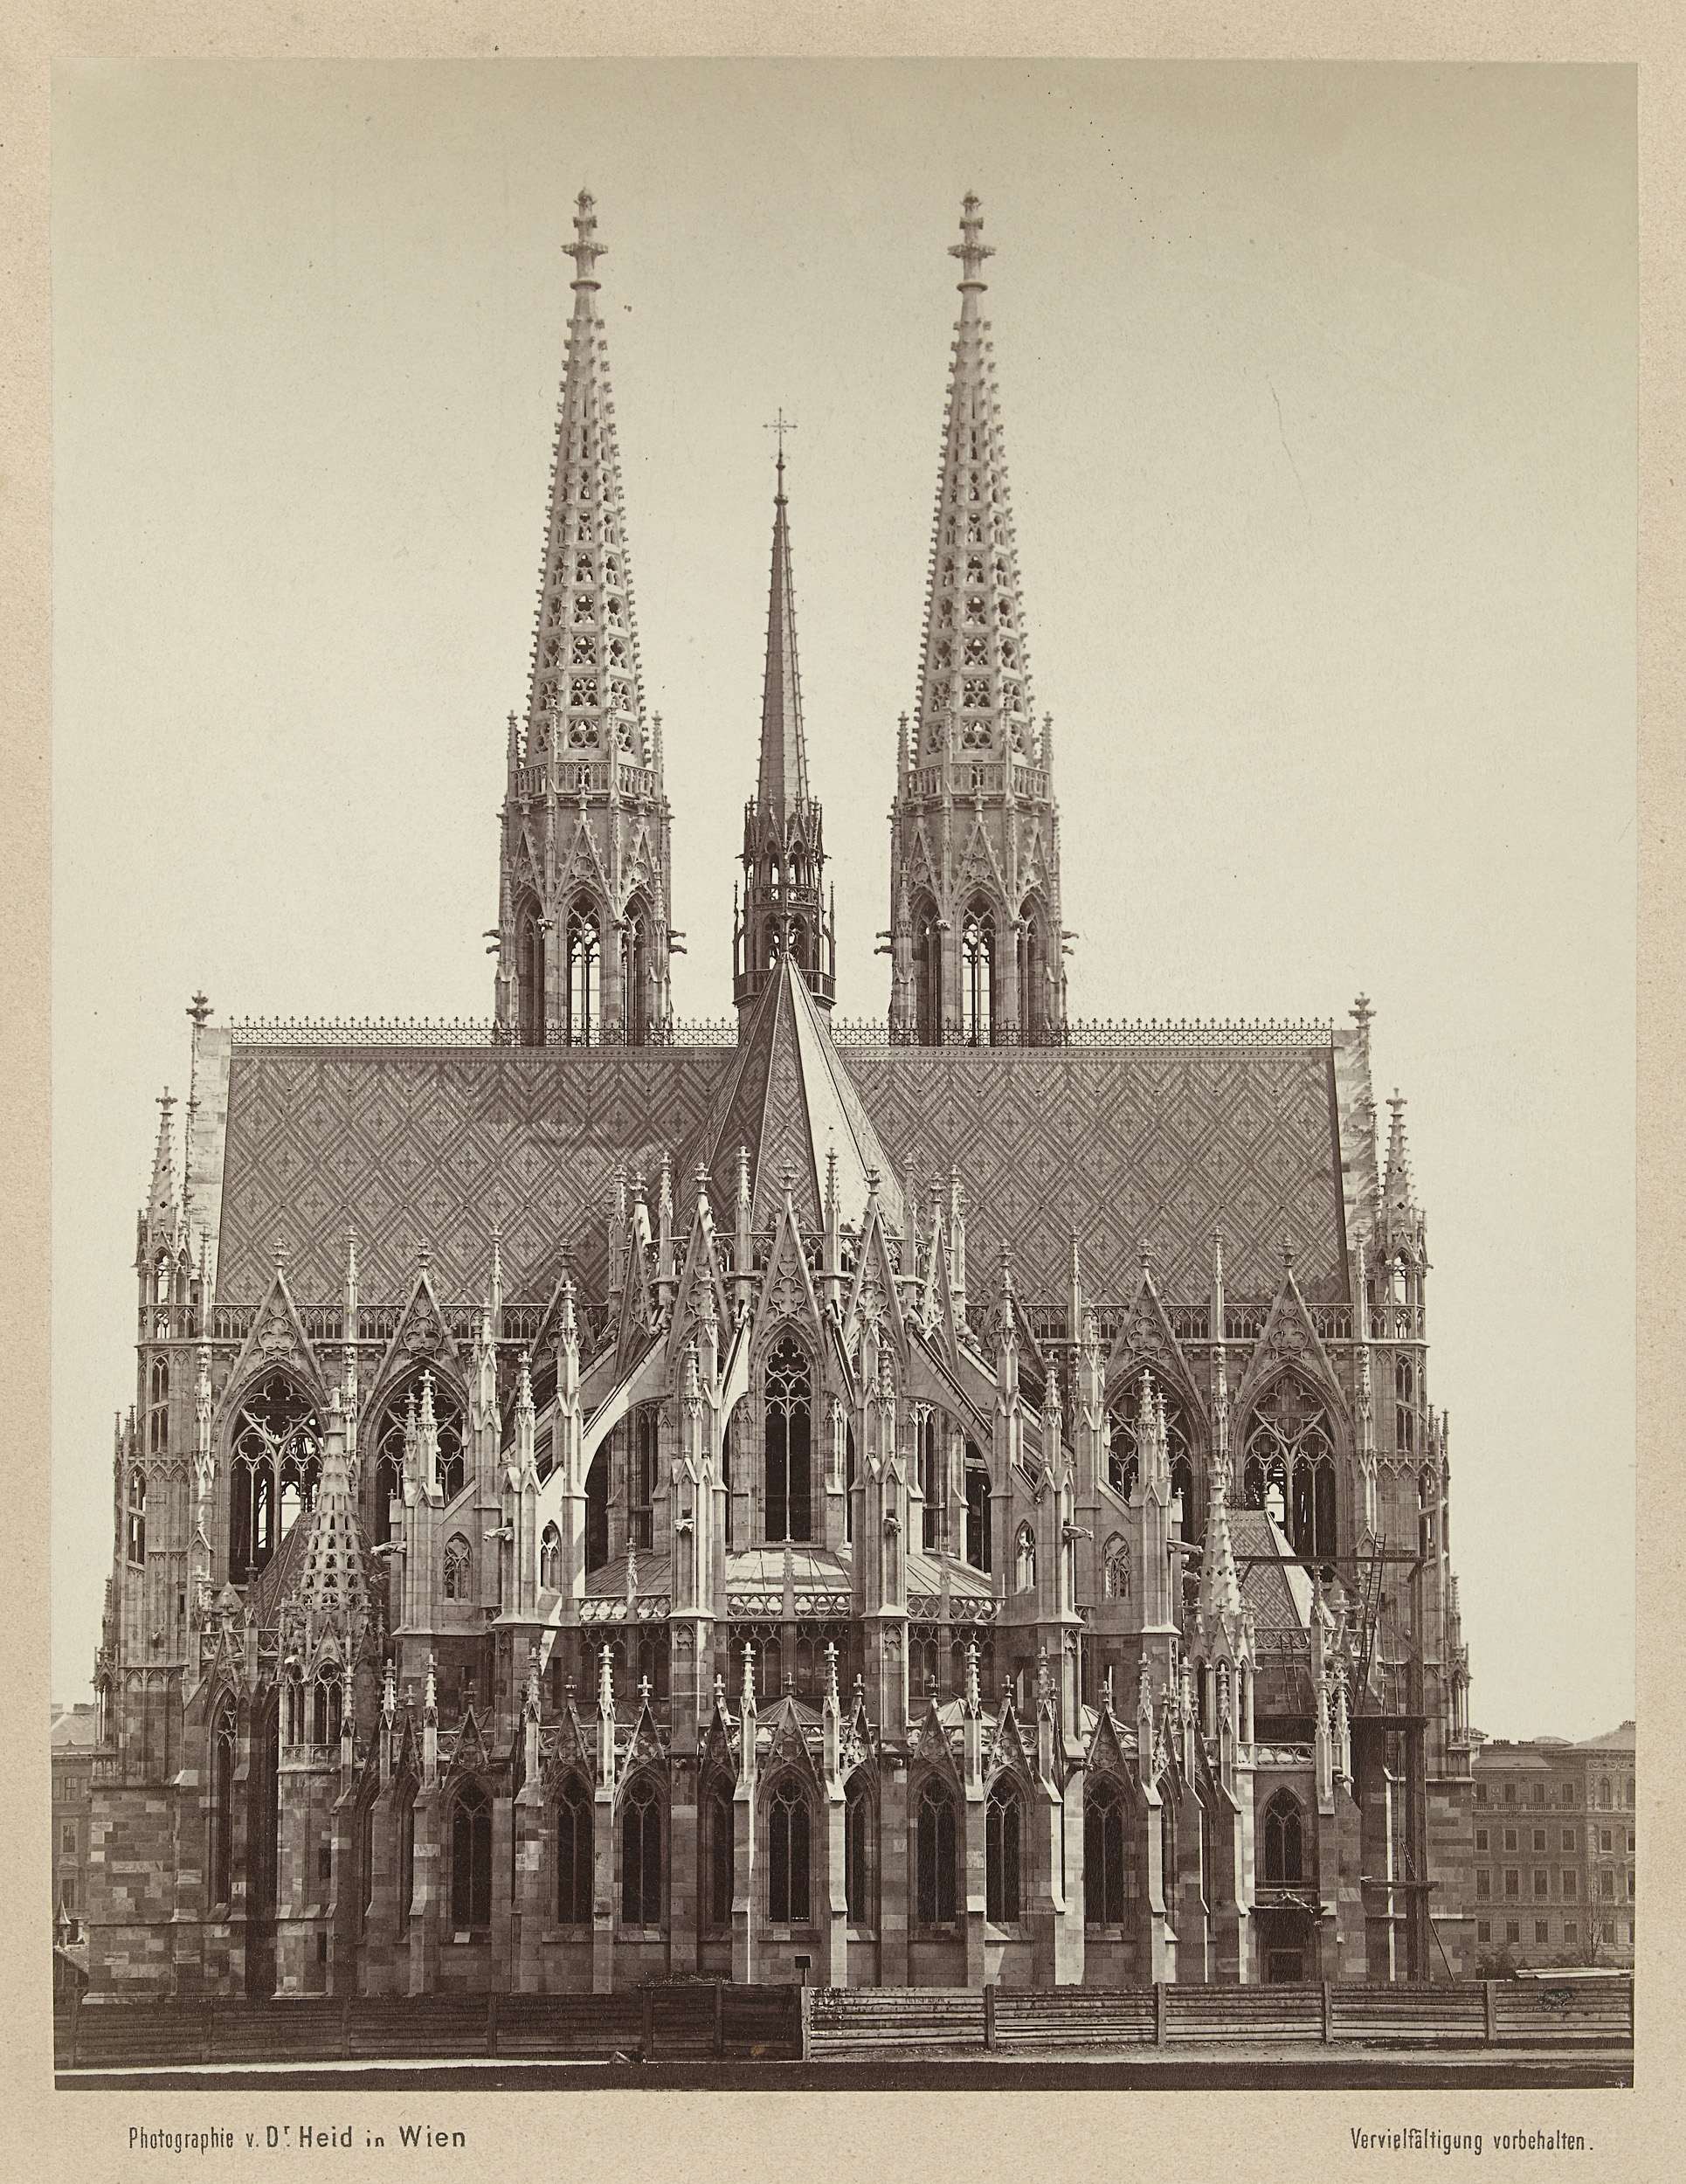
point(275, 1450)
point(977, 978)
point(788, 1442)
point(584, 943)
point(1290, 1467)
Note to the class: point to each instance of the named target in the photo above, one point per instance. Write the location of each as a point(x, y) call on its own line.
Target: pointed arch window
point(930, 1477)
point(471, 1858)
point(550, 1560)
point(365, 1860)
point(1290, 1467)
point(584, 945)
point(223, 1758)
point(1003, 1829)
point(637, 971)
point(1114, 1568)
point(640, 1856)
point(934, 1855)
point(597, 1512)
point(135, 1529)
point(275, 1450)
point(722, 1857)
point(641, 1474)
point(977, 976)
point(459, 1566)
point(326, 1712)
point(1284, 1852)
point(158, 1411)
point(1024, 1561)
point(1405, 1406)
point(978, 1508)
point(574, 1867)
point(788, 1442)
point(396, 1434)
point(1107, 1873)
point(406, 1854)
point(858, 1832)
point(1035, 1005)
point(529, 975)
point(1125, 1453)
point(927, 976)
point(788, 1842)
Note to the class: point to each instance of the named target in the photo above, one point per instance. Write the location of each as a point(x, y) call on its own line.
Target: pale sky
point(1318, 384)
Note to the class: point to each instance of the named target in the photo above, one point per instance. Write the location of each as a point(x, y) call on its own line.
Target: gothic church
point(945, 1502)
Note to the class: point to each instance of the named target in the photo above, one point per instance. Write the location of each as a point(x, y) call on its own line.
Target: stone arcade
point(945, 1503)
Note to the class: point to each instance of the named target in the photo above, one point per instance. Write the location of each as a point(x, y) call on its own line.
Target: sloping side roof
point(1273, 1586)
point(1150, 1145)
point(431, 1147)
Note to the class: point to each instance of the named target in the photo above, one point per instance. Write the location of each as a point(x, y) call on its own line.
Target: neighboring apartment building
point(1554, 1848)
point(74, 1733)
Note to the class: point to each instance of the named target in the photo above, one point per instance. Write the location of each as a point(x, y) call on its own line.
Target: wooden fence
point(697, 2020)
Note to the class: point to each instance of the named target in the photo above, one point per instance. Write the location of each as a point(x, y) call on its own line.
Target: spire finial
point(584, 250)
point(970, 249)
point(780, 426)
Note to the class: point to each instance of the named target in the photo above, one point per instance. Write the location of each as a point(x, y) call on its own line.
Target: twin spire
point(584, 923)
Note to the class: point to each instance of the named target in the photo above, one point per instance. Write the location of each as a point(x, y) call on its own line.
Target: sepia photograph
point(860, 1316)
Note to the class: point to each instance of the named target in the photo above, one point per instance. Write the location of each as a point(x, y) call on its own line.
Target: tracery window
point(458, 1566)
point(275, 1451)
point(928, 973)
point(977, 976)
point(529, 975)
point(395, 1433)
point(585, 948)
point(857, 1850)
point(930, 1477)
point(327, 1700)
point(640, 1856)
point(1107, 1874)
point(550, 1560)
point(136, 1526)
point(641, 1474)
point(635, 973)
point(471, 1858)
point(722, 1856)
point(1024, 1561)
point(223, 1757)
point(1114, 1568)
point(978, 1508)
point(788, 1442)
point(1034, 981)
point(1291, 1466)
point(158, 1414)
point(934, 1855)
point(1125, 1453)
point(1405, 1406)
point(574, 1870)
point(787, 1855)
point(1284, 1842)
point(1003, 1899)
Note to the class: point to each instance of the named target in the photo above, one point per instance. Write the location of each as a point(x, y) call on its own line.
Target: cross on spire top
point(780, 426)
point(970, 249)
point(585, 250)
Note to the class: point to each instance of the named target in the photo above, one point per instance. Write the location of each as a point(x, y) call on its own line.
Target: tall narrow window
point(276, 1448)
point(365, 1859)
point(931, 1478)
point(1024, 1561)
point(137, 1515)
point(457, 1566)
point(642, 1475)
point(787, 1855)
point(789, 1385)
point(928, 975)
point(1283, 1843)
point(1003, 1900)
point(471, 1858)
point(1290, 1467)
point(1035, 1015)
point(222, 1754)
point(977, 1509)
point(406, 1855)
point(857, 1851)
point(1114, 1568)
point(584, 941)
point(1405, 1406)
point(640, 1856)
point(935, 1855)
point(635, 974)
point(597, 1512)
point(574, 1881)
point(977, 976)
point(849, 1468)
point(530, 975)
point(1104, 1854)
point(723, 1859)
point(550, 1560)
point(1126, 1455)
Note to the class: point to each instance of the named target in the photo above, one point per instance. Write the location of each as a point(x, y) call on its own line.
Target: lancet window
point(640, 1856)
point(1290, 1467)
point(1284, 1854)
point(457, 1567)
point(1114, 1568)
point(789, 1431)
point(274, 1461)
point(471, 1858)
point(858, 1850)
point(574, 1868)
point(1108, 1870)
point(929, 1445)
point(135, 1522)
point(398, 1423)
point(222, 1756)
point(636, 974)
point(642, 1434)
point(597, 1512)
point(722, 1848)
point(934, 1855)
point(529, 975)
point(788, 1842)
point(977, 976)
point(584, 938)
point(1003, 1830)
point(1024, 1561)
point(550, 1560)
point(978, 1508)
point(927, 973)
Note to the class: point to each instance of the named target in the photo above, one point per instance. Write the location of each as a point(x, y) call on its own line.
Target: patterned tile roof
point(1150, 1144)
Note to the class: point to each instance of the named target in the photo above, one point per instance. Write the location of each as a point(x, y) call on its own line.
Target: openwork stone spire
point(584, 911)
point(977, 942)
point(786, 910)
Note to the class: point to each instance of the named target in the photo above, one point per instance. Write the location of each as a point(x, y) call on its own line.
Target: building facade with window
point(1552, 1850)
point(946, 1501)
